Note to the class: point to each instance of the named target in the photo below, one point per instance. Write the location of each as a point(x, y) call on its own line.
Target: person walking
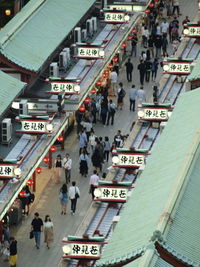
point(142, 69)
point(67, 165)
point(104, 112)
point(74, 194)
point(176, 7)
point(13, 252)
point(63, 199)
point(97, 159)
point(58, 168)
point(94, 181)
point(82, 140)
point(92, 141)
point(37, 228)
point(48, 231)
point(129, 70)
point(121, 95)
point(134, 44)
point(84, 160)
point(158, 45)
point(151, 45)
point(132, 97)
point(141, 95)
point(164, 45)
point(111, 112)
point(154, 69)
point(148, 69)
point(118, 139)
point(113, 81)
point(106, 148)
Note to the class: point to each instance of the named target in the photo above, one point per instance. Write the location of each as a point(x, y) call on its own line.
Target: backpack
point(122, 92)
point(31, 198)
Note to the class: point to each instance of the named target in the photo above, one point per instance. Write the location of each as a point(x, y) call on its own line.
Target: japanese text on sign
point(194, 31)
point(179, 68)
point(7, 171)
point(115, 194)
point(130, 160)
point(84, 250)
point(88, 52)
point(115, 17)
point(34, 126)
point(157, 114)
point(58, 87)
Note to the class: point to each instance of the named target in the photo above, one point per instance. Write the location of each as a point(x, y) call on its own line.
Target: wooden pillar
point(50, 159)
point(34, 181)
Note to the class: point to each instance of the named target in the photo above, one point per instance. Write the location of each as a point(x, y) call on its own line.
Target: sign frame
point(114, 11)
point(177, 61)
point(74, 82)
point(89, 46)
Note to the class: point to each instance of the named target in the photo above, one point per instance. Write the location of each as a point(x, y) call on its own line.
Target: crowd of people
point(155, 34)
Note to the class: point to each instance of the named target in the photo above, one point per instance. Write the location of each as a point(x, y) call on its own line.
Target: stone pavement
point(47, 200)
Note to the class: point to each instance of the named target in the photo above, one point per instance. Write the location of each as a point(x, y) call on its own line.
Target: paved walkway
point(47, 201)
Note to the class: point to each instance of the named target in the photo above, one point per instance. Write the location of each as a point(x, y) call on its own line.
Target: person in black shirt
point(129, 70)
point(142, 70)
point(118, 139)
point(37, 227)
point(134, 45)
point(13, 252)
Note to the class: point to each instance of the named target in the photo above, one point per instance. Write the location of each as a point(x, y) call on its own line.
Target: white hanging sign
point(85, 250)
point(9, 170)
point(111, 193)
point(90, 52)
point(183, 68)
point(192, 31)
point(116, 17)
point(155, 114)
point(128, 160)
point(36, 126)
point(68, 87)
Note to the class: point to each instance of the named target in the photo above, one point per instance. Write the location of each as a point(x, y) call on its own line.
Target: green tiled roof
point(38, 29)
point(9, 89)
point(195, 72)
point(156, 191)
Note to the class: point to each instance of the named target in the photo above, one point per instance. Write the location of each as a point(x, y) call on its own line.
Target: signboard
point(126, 7)
point(90, 52)
point(9, 170)
point(70, 86)
point(111, 193)
point(80, 248)
point(182, 67)
point(192, 30)
point(87, 250)
point(154, 112)
point(115, 16)
point(38, 105)
point(125, 158)
point(35, 125)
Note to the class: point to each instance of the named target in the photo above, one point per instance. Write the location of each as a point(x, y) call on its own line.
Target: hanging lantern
point(93, 91)
point(151, 5)
point(129, 38)
point(104, 75)
point(60, 138)
point(110, 66)
point(30, 182)
point(38, 170)
point(134, 31)
point(115, 59)
point(87, 100)
point(7, 12)
point(53, 148)
point(99, 83)
point(82, 108)
point(124, 45)
point(46, 159)
point(22, 194)
point(147, 11)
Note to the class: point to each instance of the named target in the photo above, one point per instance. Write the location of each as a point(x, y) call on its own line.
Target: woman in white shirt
point(92, 141)
point(48, 231)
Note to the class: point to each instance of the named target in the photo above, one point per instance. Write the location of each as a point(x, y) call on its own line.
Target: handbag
point(31, 235)
point(76, 194)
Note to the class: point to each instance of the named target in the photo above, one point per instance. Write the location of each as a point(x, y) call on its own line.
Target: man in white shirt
point(141, 95)
point(67, 165)
point(164, 27)
point(94, 181)
point(74, 194)
point(113, 80)
point(132, 96)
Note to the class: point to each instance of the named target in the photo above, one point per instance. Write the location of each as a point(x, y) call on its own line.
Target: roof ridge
point(20, 22)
